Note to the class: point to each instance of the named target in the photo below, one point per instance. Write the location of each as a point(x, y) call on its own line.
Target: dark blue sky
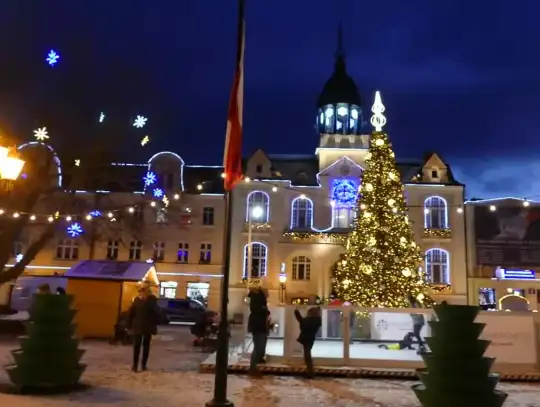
point(457, 77)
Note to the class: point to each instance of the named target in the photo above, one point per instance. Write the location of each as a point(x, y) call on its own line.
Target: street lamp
point(10, 168)
point(255, 213)
point(282, 277)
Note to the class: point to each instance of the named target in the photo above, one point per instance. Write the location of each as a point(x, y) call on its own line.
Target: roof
point(110, 270)
point(340, 87)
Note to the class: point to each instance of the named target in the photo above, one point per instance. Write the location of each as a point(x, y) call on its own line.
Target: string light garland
point(439, 233)
point(339, 238)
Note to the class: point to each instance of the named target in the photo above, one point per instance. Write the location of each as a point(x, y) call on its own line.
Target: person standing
point(418, 321)
point(259, 327)
point(143, 319)
point(309, 326)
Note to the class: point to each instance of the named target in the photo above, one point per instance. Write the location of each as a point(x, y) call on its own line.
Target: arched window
point(258, 207)
point(435, 213)
point(438, 266)
point(301, 213)
point(301, 268)
point(259, 256)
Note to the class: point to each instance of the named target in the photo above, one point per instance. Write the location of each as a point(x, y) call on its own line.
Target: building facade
point(504, 253)
point(291, 213)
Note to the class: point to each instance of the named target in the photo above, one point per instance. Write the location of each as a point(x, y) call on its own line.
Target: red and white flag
point(232, 159)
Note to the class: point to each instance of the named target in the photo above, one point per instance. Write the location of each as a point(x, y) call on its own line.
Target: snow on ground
point(174, 381)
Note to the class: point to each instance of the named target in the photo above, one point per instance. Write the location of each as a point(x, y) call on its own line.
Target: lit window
point(167, 289)
point(302, 213)
point(261, 201)
point(258, 260)
point(437, 266)
point(435, 213)
point(301, 268)
point(182, 255)
point(205, 256)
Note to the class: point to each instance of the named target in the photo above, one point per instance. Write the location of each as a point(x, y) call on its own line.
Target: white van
point(26, 286)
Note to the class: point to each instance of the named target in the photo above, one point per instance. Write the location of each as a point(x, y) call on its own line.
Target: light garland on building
point(341, 238)
point(438, 233)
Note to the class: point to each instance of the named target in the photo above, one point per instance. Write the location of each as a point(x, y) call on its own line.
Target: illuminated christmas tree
point(380, 267)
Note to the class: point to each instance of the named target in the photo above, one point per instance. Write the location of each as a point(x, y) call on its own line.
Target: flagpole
point(222, 352)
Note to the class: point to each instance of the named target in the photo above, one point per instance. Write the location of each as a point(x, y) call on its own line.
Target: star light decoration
point(101, 117)
point(157, 192)
point(140, 121)
point(145, 140)
point(77, 162)
point(52, 57)
point(149, 179)
point(74, 230)
point(41, 134)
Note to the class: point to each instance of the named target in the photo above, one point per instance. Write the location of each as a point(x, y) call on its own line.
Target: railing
point(436, 233)
point(352, 336)
point(307, 236)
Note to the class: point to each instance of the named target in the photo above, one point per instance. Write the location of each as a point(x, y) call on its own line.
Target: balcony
point(338, 236)
point(258, 227)
point(440, 289)
point(437, 234)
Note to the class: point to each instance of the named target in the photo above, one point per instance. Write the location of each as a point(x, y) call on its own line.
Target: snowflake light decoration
point(145, 140)
point(158, 192)
point(95, 213)
point(19, 258)
point(149, 179)
point(41, 134)
point(101, 117)
point(74, 230)
point(52, 57)
point(140, 121)
point(77, 162)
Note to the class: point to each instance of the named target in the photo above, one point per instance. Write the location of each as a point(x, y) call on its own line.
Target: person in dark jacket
point(418, 321)
point(143, 319)
point(259, 327)
point(309, 326)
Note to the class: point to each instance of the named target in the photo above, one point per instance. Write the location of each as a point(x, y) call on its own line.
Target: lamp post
point(254, 213)
point(10, 168)
point(282, 286)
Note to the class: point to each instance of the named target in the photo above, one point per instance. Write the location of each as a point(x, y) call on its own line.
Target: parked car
point(182, 310)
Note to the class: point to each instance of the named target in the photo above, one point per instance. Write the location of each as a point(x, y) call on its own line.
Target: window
point(167, 289)
point(139, 213)
point(206, 253)
point(257, 210)
point(67, 249)
point(135, 250)
point(435, 213)
point(302, 213)
point(112, 249)
point(258, 168)
point(258, 256)
point(434, 173)
point(301, 268)
point(182, 255)
point(198, 292)
point(208, 216)
point(344, 217)
point(159, 251)
point(437, 266)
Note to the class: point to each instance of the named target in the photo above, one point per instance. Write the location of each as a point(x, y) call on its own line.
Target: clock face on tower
point(344, 192)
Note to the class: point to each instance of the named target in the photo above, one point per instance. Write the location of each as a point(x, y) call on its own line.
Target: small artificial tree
point(49, 356)
point(457, 373)
point(380, 267)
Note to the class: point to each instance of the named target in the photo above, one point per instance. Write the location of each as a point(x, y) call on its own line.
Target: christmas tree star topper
point(378, 120)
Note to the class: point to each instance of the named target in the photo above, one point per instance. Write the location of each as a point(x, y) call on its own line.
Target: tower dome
point(339, 104)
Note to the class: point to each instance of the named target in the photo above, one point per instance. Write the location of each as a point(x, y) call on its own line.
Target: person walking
point(309, 326)
point(143, 319)
point(418, 321)
point(259, 327)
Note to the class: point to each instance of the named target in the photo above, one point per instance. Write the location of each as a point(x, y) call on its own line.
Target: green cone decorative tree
point(457, 373)
point(49, 356)
point(380, 267)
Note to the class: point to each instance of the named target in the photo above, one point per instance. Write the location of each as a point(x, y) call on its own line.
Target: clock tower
point(340, 122)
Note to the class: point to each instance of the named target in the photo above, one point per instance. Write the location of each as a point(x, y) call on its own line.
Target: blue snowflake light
point(149, 179)
point(19, 258)
point(52, 57)
point(74, 230)
point(95, 213)
point(158, 192)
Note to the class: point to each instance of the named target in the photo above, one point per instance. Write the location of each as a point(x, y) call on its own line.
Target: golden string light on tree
point(381, 265)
